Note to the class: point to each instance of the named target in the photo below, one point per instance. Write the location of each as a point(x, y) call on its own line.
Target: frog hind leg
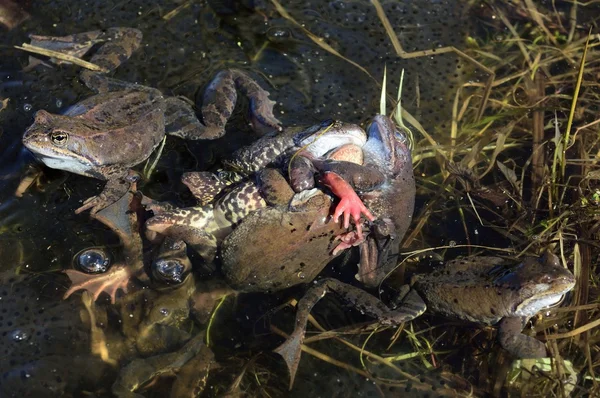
point(181, 121)
point(411, 307)
point(140, 371)
point(378, 253)
point(221, 95)
point(118, 45)
point(519, 345)
point(273, 187)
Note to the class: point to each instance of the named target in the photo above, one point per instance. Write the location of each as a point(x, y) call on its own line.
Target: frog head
point(540, 283)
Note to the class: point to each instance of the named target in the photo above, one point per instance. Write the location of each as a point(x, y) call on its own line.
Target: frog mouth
point(73, 164)
point(533, 305)
point(334, 136)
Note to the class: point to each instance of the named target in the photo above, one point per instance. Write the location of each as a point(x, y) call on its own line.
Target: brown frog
point(107, 134)
point(277, 247)
point(483, 290)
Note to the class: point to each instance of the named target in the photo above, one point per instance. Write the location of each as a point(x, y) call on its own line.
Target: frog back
point(121, 127)
point(465, 289)
point(275, 248)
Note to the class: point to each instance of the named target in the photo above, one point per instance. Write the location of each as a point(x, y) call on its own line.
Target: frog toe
point(348, 240)
point(110, 282)
point(290, 351)
point(112, 192)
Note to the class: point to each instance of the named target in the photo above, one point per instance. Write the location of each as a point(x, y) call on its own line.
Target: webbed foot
point(411, 307)
point(219, 101)
point(124, 218)
point(110, 282)
point(291, 351)
point(350, 204)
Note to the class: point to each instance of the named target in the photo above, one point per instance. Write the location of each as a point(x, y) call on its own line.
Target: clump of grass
point(521, 164)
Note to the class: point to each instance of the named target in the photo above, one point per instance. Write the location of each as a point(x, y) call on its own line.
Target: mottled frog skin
point(204, 227)
point(107, 134)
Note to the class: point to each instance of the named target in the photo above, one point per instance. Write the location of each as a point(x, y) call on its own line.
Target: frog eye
point(404, 136)
point(94, 260)
point(169, 271)
point(59, 138)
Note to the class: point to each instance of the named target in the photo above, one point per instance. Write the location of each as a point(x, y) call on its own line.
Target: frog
point(222, 206)
point(154, 336)
point(483, 290)
point(155, 332)
point(307, 237)
point(105, 135)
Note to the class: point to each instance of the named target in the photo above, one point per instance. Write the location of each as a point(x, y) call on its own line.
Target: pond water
point(56, 347)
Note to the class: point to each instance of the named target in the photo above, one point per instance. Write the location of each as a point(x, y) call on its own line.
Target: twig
point(61, 56)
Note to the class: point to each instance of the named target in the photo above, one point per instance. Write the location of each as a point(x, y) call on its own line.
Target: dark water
point(45, 341)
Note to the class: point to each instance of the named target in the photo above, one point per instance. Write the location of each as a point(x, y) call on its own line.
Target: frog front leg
point(221, 95)
point(411, 307)
point(124, 218)
point(116, 188)
point(516, 343)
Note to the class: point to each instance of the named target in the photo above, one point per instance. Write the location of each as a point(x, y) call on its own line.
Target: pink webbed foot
point(350, 204)
point(109, 282)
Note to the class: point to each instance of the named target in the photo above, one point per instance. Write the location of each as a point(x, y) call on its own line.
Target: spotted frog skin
point(107, 134)
point(483, 290)
point(204, 227)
